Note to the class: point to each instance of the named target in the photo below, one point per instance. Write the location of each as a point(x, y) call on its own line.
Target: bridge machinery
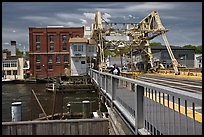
point(138, 36)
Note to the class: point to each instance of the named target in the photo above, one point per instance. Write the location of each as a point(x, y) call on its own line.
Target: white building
point(198, 61)
point(80, 50)
point(12, 68)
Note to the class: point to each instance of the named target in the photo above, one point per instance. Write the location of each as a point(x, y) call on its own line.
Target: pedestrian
point(115, 70)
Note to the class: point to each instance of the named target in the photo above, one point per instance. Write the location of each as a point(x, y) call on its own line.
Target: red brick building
point(50, 50)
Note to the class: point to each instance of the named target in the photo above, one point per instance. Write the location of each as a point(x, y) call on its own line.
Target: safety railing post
point(112, 90)
point(139, 101)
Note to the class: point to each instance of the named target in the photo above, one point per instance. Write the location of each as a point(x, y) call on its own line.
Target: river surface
point(30, 108)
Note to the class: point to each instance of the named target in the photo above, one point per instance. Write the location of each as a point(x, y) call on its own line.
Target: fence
point(57, 127)
point(150, 108)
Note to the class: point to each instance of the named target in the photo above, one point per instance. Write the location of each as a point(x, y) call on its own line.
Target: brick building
point(50, 50)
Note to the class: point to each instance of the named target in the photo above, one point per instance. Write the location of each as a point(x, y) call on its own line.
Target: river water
point(30, 108)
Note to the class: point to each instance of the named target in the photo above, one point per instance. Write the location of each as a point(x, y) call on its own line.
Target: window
point(78, 35)
point(13, 64)
point(51, 46)
point(49, 66)
point(37, 38)
point(58, 58)
point(6, 64)
point(83, 62)
point(64, 38)
point(38, 58)
point(200, 61)
point(78, 48)
point(65, 58)
point(91, 48)
point(49, 58)
point(51, 38)
point(9, 72)
point(70, 35)
point(14, 72)
point(38, 67)
point(37, 46)
point(64, 46)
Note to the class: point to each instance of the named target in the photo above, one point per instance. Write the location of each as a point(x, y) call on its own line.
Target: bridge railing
point(152, 109)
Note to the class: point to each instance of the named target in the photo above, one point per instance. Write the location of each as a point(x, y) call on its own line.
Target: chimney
point(13, 48)
point(4, 55)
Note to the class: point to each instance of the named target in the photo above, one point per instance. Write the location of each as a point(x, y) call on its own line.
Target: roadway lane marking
point(198, 116)
point(174, 82)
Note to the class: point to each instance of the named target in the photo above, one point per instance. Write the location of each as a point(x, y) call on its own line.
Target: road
point(191, 85)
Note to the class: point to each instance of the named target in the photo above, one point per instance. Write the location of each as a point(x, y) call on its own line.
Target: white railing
point(149, 108)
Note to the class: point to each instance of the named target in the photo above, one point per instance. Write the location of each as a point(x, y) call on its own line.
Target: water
point(30, 108)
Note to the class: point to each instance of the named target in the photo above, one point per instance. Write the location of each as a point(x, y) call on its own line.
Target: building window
point(70, 35)
point(58, 58)
point(65, 58)
point(38, 58)
point(51, 46)
point(6, 64)
point(64, 38)
point(38, 67)
point(37, 38)
point(37, 46)
point(15, 72)
point(78, 48)
point(9, 72)
point(50, 66)
point(78, 35)
point(51, 38)
point(200, 61)
point(49, 58)
point(13, 64)
point(83, 62)
point(91, 48)
point(64, 46)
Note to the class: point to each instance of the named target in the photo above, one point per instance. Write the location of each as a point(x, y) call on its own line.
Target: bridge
point(148, 108)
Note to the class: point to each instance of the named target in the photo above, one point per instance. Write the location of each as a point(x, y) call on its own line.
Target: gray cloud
point(183, 19)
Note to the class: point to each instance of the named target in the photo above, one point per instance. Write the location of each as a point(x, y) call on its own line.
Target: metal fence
point(152, 109)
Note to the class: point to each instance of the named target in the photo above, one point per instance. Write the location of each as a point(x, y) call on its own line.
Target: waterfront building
point(184, 56)
point(198, 61)
point(12, 67)
point(50, 50)
point(82, 51)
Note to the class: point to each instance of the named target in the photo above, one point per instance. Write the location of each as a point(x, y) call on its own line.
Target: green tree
point(6, 51)
point(198, 49)
point(19, 53)
point(155, 44)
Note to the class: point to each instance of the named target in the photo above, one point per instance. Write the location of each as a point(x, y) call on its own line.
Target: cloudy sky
point(183, 19)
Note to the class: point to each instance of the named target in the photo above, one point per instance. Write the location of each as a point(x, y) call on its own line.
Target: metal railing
point(152, 109)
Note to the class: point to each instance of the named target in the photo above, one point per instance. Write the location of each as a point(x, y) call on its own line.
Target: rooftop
point(79, 40)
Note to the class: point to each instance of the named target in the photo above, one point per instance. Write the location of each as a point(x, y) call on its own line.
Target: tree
point(7, 52)
point(19, 53)
point(155, 44)
point(198, 49)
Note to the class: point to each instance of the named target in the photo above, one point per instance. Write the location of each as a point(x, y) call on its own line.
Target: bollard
point(16, 111)
point(86, 109)
point(69, 108)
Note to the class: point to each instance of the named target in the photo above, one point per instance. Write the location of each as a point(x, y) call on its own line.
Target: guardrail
point(149, 108)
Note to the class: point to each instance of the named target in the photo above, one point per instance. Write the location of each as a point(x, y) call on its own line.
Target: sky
point(182, 19)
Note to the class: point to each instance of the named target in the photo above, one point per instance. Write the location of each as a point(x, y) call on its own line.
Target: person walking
point(115, 70)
